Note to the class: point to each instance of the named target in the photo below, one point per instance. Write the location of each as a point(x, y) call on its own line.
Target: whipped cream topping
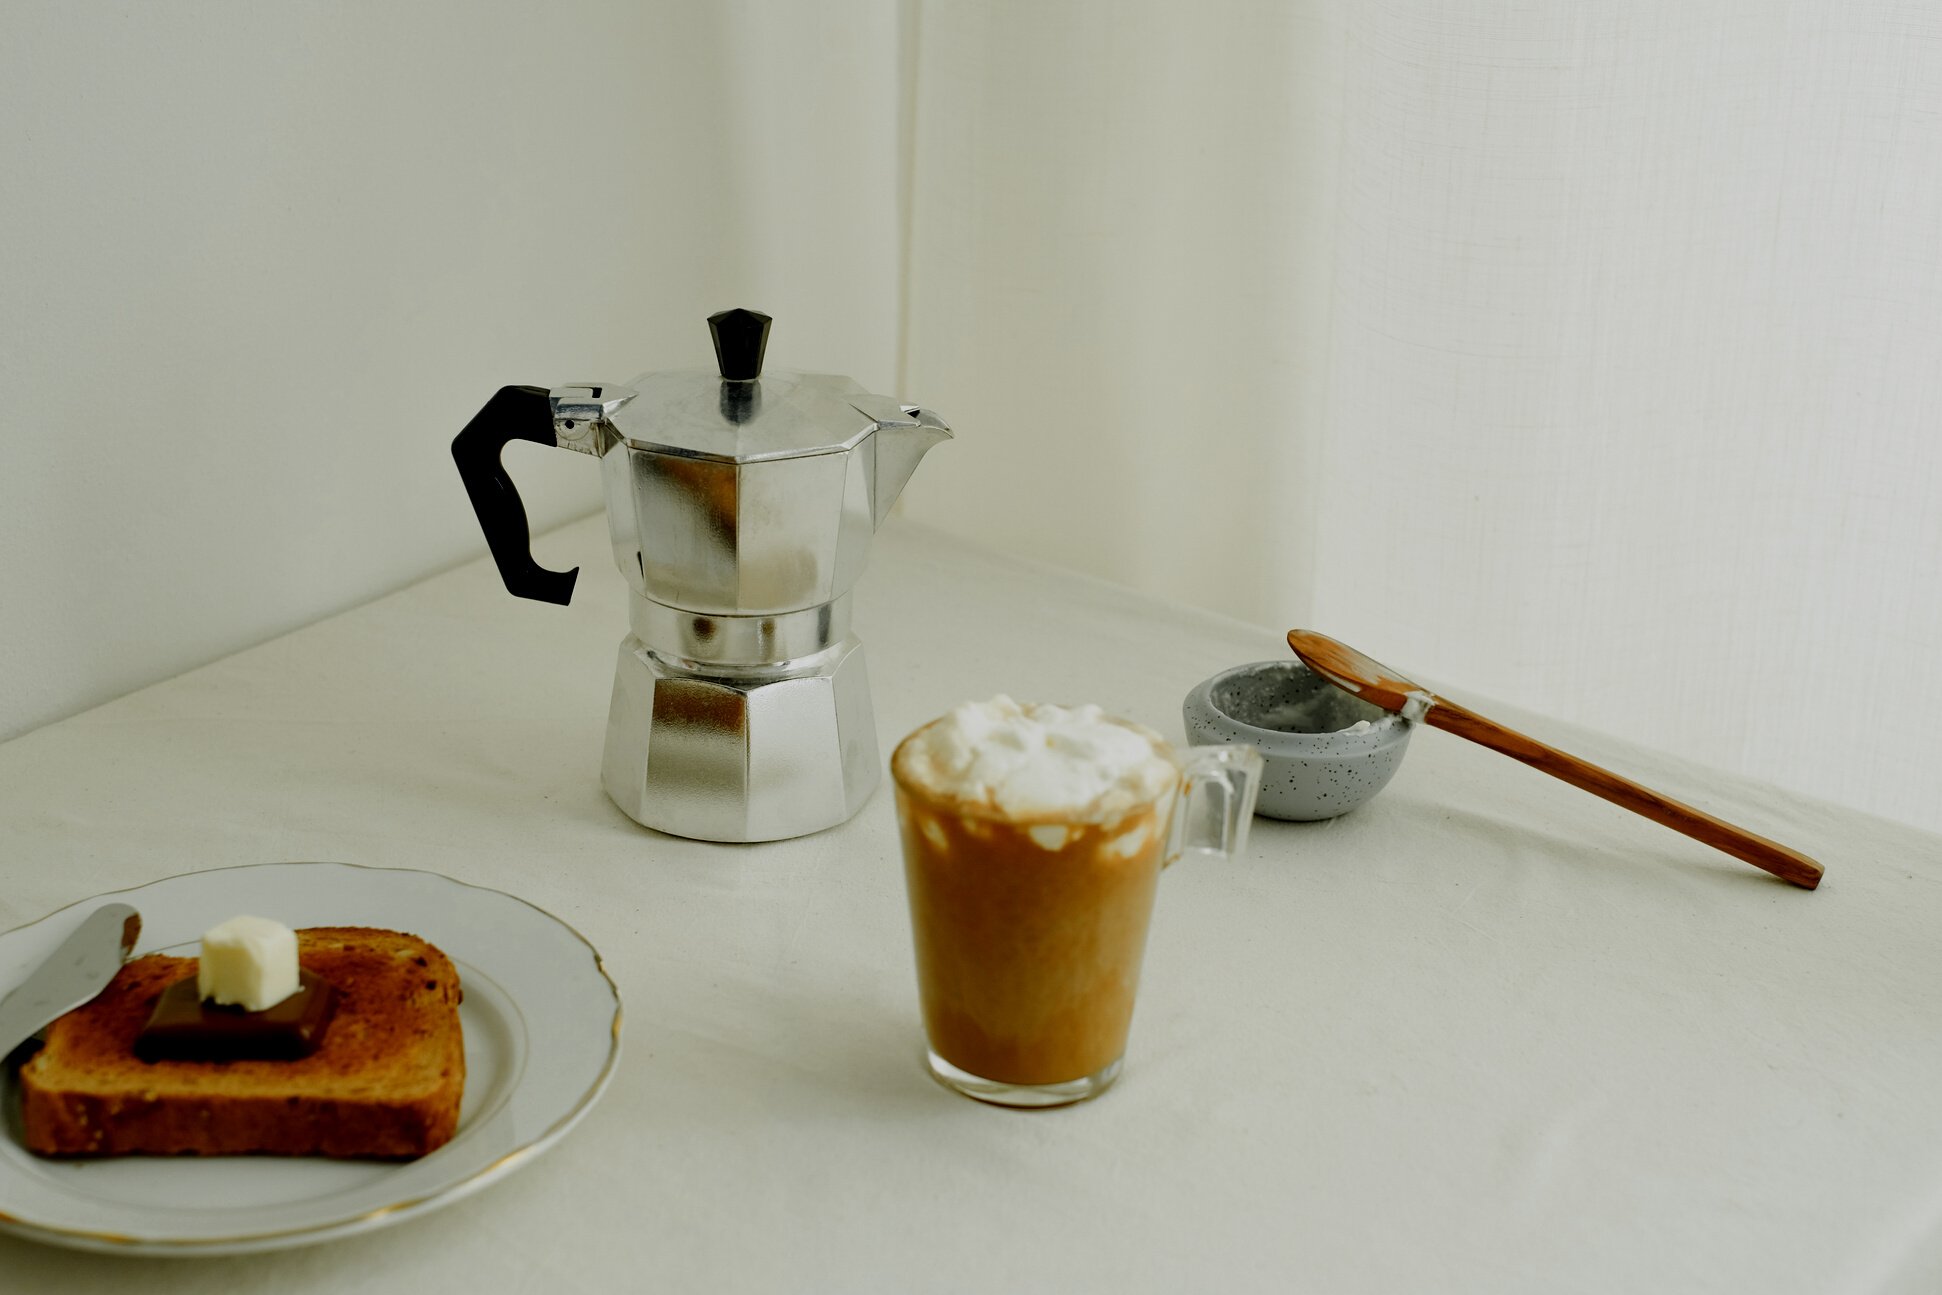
point(1037, 760)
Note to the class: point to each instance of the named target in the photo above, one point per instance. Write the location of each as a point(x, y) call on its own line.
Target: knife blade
point(75, 972)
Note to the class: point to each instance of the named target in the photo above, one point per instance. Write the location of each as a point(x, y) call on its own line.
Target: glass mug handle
point(1215, 805)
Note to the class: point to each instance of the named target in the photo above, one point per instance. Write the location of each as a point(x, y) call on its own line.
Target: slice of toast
point(385, 1082)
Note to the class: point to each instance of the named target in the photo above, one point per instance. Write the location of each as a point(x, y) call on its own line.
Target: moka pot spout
point(904, 435)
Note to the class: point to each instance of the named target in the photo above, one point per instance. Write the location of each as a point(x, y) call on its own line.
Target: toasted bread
point(385, 1082)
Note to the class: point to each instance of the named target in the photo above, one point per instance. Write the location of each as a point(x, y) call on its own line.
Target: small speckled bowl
point(1315, 768)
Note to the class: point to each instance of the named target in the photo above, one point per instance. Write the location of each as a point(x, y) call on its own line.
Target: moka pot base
point(740, 728)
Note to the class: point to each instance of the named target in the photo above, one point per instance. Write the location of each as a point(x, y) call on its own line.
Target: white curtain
point(1579, 353)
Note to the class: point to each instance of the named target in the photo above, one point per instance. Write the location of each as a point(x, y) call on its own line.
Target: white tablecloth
point(1486, 1034)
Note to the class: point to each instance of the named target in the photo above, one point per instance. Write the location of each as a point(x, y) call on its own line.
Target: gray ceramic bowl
point(1315, 767)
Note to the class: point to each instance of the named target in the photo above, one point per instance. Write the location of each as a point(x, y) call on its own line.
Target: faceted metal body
point(741, 513)
point(735, 758)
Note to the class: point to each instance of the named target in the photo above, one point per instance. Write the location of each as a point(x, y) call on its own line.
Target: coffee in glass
point(1033, 839)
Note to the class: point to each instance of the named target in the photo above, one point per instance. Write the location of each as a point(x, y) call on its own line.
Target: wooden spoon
point(1377, 684)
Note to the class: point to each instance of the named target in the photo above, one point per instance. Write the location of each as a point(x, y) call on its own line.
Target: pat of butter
point(248, 961)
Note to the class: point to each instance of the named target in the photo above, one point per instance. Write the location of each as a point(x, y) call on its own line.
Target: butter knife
point(75, 972)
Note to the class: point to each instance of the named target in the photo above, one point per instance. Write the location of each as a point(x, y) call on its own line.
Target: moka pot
point(741, 507)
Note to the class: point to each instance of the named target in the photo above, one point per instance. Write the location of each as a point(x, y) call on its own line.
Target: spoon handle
point(1789, 865)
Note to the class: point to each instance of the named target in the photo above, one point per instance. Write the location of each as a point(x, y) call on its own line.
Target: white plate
point(542, 1037)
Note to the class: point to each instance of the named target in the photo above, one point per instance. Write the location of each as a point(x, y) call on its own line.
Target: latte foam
point(1074, 764)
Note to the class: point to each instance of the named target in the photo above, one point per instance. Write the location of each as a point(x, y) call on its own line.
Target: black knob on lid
point(740, 338)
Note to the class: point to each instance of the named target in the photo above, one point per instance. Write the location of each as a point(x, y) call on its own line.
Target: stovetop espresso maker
point(741, 507)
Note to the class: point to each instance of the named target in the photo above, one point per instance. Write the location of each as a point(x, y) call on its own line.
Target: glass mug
point(1029, 931)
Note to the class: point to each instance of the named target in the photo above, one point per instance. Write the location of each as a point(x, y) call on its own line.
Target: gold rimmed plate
point(534, 988)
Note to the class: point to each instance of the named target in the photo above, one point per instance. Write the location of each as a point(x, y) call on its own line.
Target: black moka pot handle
point(515, 413)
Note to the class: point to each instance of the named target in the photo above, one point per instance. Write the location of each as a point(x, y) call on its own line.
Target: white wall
point(1583, 354)
point(1120, 243)
point(262, 261)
